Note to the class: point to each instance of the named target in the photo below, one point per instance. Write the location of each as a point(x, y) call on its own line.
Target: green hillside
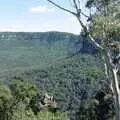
point(24, 50)
point(70, 80)
point(48, 61)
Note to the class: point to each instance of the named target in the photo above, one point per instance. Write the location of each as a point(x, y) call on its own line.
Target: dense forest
point(41, 63)
point(63, 76)
point(20, 51)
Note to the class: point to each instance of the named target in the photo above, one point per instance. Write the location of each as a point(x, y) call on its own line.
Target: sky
point(35, 16)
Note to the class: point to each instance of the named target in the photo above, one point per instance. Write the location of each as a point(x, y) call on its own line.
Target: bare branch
point(77, 9)
point(84, 15)
point(89, 35)
point(81, 23)
point(77, 6)
point(83, 26)
point(62, 8)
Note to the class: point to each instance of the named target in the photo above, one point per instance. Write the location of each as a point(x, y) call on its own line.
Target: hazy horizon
point(36, 16)
point(36, 32)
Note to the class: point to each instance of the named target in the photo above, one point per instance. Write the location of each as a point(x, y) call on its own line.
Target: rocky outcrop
point(47, 103)
point(75, 42)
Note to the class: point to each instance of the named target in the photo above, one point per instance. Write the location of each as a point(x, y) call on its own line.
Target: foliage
point(21, 113)
point(5, 101)
point(43, 66)
point(21, 51)
point(23, 90)
point(105, 21)
point(99, 107)
point(52, 116)
point(87, 110)
point(13, 109)
point(105, 28)
point(70, 81)
point(5, 93)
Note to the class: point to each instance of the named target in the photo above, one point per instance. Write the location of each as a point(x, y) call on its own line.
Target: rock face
point(77, 43)
point(47, 103)
point(38, 37)
point(26, 50)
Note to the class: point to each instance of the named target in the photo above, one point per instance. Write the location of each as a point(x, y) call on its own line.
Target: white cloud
point(5, 30)
point(41, 9)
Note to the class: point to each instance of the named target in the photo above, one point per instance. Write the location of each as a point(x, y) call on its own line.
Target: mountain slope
point(32, 49)
point(70, 81)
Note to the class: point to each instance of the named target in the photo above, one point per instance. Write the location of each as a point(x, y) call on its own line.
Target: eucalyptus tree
point(101, 25)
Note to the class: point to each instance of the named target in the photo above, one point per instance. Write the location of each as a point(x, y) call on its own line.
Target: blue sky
point(35, 16)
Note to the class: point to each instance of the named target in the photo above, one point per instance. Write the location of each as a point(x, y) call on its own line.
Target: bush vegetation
point(77, 83)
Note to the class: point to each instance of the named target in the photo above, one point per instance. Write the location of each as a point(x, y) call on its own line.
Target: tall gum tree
point(103, 23)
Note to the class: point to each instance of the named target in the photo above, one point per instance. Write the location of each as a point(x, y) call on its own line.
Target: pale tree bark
point(110, 69)
point(115, 84)
point(117, 93)
point(112, 80)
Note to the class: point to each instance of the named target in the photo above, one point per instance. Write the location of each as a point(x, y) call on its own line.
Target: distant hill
point(23, 50)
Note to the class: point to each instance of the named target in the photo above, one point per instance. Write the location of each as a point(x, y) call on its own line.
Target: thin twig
point(81, 23)
point(62, 8)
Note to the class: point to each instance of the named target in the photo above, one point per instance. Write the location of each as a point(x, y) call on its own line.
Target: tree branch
point(85, 15)
point(97, 44)
point(74, 1)
point(79, 11)
point(81, 23)
point(62, 8)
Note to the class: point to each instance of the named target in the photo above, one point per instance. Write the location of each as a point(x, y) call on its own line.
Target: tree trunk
point(111, 73)
point(117, 93)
